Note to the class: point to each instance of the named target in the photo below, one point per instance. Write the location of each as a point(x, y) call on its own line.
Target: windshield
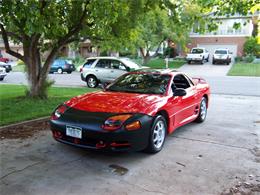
point(144, 83)
point(197, 51)
point(130, 64)
point(221, 52)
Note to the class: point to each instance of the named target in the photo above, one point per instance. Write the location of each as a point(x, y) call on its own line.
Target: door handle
point(111, 71)
point(96, 70)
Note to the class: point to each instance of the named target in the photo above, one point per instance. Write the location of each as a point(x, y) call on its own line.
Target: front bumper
point(221, 59)
point(94, 137)
point(193, 59)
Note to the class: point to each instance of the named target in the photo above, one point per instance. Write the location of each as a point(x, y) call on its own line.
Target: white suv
point(222, 56)
point(2, 73)
point(198, 54)
point(105, 69)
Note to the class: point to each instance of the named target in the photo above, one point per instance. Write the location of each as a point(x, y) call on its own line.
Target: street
point(215, 75)
point(205, 158)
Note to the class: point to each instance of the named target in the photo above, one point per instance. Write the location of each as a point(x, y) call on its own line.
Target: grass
point(19, 68)
point(15, 107)
point(160, 63)
point(245, 69)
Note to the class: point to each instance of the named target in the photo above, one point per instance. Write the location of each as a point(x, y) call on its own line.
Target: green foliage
point(249, 58)
point(168, 52)
point(238, 59)
point(251, 47)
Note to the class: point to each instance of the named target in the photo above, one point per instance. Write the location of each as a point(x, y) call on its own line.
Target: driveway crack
point(19, 170)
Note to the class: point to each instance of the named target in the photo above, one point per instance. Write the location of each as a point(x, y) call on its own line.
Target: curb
point(42, 119)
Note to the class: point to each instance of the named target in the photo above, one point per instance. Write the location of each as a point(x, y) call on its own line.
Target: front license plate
point(74, 131)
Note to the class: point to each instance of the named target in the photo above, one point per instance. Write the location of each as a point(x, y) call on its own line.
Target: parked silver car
point(105, 69)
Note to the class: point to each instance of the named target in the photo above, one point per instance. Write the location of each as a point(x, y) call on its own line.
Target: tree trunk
point(36, 72)
point(145, 55)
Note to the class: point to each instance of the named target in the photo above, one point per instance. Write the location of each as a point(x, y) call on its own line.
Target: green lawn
point(245, 69)
point(15, 107)
point(160, 63)
point(19, 68)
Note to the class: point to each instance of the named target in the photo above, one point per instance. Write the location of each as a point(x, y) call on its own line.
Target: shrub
point(251, 47)
point(249, 58)
point(238, 59)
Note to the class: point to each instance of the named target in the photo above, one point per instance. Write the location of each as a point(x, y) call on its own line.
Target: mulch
point(24, 130)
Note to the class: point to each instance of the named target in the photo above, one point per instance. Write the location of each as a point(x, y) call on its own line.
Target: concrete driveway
point(207, 69)
point(207, 158)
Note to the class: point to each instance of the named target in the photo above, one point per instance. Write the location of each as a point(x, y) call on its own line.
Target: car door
point(187, 105)
point(54, 66)
point(117, 69)
point(102, 70)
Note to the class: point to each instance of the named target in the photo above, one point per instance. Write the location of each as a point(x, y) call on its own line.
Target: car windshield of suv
point(130, 64)
point(145, 83)
point(197, 51)
point(221, 52)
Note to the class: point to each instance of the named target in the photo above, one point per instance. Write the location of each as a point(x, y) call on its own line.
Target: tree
point(46, 26)
point(171, 21)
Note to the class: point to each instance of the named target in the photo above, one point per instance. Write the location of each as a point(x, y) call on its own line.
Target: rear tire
point(189, 62)
point(92, 81)
point(203, 111)
point(69, 72)
point(157, 135)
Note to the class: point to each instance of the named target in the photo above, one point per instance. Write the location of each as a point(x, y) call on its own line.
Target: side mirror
point(127, 69)
point(179, 92)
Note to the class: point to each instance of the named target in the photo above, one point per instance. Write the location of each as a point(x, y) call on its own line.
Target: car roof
point(198, 48)
point(221, 49)
point(105, 57)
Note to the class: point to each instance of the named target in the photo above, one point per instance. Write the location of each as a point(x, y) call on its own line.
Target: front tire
point(92, 81)
point(202, 60)
point(203, 111)
point(60, 71)
point(157, 135)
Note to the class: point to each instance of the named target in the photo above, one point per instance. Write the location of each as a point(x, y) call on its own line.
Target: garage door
point(211, 48)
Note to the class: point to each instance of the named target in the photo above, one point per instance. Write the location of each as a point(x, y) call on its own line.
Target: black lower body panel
point(94, 137)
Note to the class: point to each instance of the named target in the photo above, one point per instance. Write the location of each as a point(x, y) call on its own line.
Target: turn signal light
point(133, 126)
point(115, 122)
point(58, 112)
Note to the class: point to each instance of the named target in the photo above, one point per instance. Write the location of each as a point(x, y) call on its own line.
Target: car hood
point(117, 102)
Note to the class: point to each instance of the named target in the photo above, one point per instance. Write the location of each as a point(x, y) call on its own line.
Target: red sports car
point(135, 112)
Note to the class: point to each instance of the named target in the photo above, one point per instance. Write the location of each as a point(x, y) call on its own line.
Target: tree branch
point(7, 46)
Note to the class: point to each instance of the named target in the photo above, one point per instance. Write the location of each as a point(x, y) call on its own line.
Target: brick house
point(226, 36)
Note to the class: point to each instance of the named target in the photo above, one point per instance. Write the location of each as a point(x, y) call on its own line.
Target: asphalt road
point(214, 74)
point(208, 158)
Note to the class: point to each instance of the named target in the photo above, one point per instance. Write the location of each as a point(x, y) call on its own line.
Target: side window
point(181, 81)
point(88, 63)
point(55, 63)
point(115, 64)
point(103, 63)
